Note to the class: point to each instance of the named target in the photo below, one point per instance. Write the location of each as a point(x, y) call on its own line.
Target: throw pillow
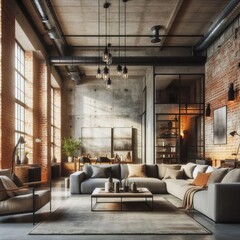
point(232, 176)
point(188, 169)
point(3, 192)
point(201, 179)
point(162, 168)
point(173, 174)
point(209, 169)
point(8, 184)
point(137, 170)
point(199, 168)
point(101, 172)
point(217, 175)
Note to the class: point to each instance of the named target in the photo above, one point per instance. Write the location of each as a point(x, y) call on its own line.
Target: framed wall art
point(220, 126)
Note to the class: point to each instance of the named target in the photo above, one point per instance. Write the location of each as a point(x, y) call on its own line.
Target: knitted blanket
point(188, 197)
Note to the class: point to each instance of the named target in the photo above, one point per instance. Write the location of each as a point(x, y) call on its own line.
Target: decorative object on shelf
point(220, 126)
point(24, 158)
point(70, 147)
point(128, 157)
point(54, 160)
point(208, 111)
point(20, 141)
point(109, 186)
point(231, 93)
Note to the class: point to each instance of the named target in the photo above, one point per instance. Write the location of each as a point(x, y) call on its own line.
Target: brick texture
point(7, 47)
point(221, 70)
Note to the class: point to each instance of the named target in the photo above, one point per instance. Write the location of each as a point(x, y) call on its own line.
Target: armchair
point(16, 200)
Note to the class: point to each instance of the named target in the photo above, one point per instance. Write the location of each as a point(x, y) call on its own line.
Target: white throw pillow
point(199, 168)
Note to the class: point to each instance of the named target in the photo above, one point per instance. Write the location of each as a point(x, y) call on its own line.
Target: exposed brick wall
point(38, 100)
point(221, 70)
point(7, 48)
point(44, 123)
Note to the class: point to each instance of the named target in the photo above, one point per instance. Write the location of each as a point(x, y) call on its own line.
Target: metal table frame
point(99, 193)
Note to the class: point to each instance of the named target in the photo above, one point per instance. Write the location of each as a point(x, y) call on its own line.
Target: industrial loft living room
point(144, 93)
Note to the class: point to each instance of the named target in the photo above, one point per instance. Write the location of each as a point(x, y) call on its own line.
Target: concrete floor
point(17, 226)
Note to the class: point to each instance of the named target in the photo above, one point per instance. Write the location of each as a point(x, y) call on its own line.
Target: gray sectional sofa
point(220, 201)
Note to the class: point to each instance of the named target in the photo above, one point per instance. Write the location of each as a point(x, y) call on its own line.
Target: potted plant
point(70, 147)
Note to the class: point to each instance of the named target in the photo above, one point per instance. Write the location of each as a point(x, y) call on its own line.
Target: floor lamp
point(20, 141)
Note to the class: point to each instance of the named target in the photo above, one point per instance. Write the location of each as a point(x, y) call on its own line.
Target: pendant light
point(108, 84)
point(125, 70)
point(105, 74)
point(107, 56)
point(119, 67)
point(99, 73)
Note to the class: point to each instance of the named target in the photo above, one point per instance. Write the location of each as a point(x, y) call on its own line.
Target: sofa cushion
point(90, 184)
point(115, 170)
point(232, 176)
point(217, 175)
point(137, 170)
point(188, 169)
point(152, 170)
point(154, 185)
point(178, 187)
point(199, 168)
point(101, 172)
point(201, 179)
point(173, 174)
point(124, 171)
point(162, 168)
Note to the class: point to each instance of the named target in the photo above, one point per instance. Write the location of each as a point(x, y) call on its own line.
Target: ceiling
point(75, 23)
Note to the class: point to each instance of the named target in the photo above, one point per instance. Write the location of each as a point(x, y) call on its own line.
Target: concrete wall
point(91, 105)
point(222, 68)
point(149, 116)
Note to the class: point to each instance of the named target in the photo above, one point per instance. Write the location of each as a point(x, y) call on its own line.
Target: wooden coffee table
point(99, 193)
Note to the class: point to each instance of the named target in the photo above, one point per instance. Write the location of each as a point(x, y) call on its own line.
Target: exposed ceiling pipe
point(55, 34)
point(133, 61)
point(230, 12)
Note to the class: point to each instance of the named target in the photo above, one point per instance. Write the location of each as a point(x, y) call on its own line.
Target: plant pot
point(70, 159)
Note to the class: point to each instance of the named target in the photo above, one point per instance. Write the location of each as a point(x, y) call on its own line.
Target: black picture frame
point(220, 126)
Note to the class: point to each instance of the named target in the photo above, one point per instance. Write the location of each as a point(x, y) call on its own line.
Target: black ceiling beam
point(129, 46)
point(131, 61)
point(130, 35)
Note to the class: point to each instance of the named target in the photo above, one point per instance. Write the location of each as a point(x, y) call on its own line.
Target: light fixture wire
point(99, 75)
point(125, 70)
point(119, 67)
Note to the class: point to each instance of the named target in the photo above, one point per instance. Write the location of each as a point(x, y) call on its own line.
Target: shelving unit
point(179, 118)
point(167, 136)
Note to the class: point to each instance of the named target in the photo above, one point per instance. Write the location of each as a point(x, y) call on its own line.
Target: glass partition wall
point(179, 118)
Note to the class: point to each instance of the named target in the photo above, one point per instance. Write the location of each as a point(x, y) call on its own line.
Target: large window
point(19, 93)
point(52, 124)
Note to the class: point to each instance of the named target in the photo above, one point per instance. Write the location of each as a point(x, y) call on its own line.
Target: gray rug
point(74, 217)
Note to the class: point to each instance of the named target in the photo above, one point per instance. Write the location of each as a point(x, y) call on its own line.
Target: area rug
point(74, 217)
